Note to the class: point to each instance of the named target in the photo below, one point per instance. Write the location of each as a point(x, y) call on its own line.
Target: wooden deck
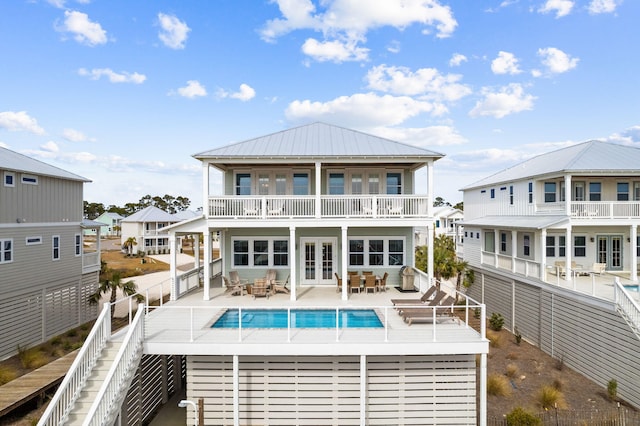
point(34, 384)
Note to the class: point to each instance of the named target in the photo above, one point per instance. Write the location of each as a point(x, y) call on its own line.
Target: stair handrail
point(60, 405)
point(116, 382)
point(629, 307)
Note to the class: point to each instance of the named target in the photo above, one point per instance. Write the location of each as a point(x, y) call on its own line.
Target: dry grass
point(498, 385)
point(549, 397)
point(496, 339)
point(512, 371)
point(131, 266)
point(7, 374)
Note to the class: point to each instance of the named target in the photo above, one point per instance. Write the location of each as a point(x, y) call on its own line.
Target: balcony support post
point(514, 250)
point(543, 254)
point(206, 235)
point(292, 261)
point(634, 257)
point(318, 189)
point(567, 195)
point(206, 205)
point(344, 248)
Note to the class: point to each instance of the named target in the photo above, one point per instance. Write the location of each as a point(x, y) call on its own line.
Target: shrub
point(55, 341)
point(498, 385)
point(517, 335)
point(512, 370)
point(521, 417)
point(496, 321)
point(550, 397)
point(612, 389)
point(496, 340)
point(7, 374)
point(31, 357)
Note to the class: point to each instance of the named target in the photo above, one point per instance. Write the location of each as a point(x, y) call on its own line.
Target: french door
point(318, 260)
point(610, 251)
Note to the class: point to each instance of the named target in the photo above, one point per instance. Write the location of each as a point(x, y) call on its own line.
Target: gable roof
point(13, 161)
point(151, 214)
point(592, 157)
point(319, 140)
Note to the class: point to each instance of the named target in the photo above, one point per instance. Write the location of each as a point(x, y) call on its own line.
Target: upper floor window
point(55, 247)
point(562, 246)
point(300, 184)
point(6, 250)
point(550, 246)
point(336, 183)
point(530, 192)
point(511, 194)
point(78, 245)
point(9, 179)
point(595, 191)
point(394, 183)
point(32, 241)
point(29, 179)
point(623, 191)
point(503, 242)
point(578, 191)
point(493, 193)
point(526, 247)
point(489, 241)
point(579, 246)
point(549, 192)
point(638, 245)
point(243, 184)
point(561, 196)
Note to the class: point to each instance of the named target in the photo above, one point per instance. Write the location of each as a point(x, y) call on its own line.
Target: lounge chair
point(270, 276)
point(236, 280)
point(259, 288)
point(370, 283)
point(280, 286)
point(426, 314)
point(339, 280)
point(354, 283)
point(424, 299)
point(233, 289)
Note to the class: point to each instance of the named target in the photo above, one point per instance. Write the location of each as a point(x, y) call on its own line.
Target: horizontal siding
point(588, 335)
point(497, 297)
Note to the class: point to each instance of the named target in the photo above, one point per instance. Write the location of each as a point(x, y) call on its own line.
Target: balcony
point(306, 207)
point(605, 209)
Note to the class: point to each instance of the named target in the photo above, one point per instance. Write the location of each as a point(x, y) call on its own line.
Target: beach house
point(47, 271)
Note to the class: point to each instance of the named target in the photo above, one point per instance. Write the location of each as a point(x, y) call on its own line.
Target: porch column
point(543, 254)
point(292, 262)
point(430, 239)
point(206, 273)
point(430, 188)
point(344, 249)
point(205, 189)
point(634, 255)
point(567, 194)
point(514, 250)
point(173, 260)
point(568, 254)
point(318, 189)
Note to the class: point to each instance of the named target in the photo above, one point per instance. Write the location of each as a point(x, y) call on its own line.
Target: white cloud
point(393, 46)
point(560, 7)
point(16, 121)
point(50, 146)
point(421, 136)
point(556, 61)
point(457, 59)
point(192, 90)
point(173, 32)
point(334, 51)
point(73, 135)
point(508, 100)
point(602, 6)
point(425, 82)
point(361, 110)
point(84, 31)
point(350, 20)
point(245, 93)
point(505, 63)
point(57, 3)
point(114, 77)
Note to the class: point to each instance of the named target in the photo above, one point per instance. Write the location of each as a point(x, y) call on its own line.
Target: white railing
point(605, 209)
point(275, 207)
point(90, 260)
point(627, 306)
point(114, 388)
point(188, 281)
point(528, 268)
point(59, 408)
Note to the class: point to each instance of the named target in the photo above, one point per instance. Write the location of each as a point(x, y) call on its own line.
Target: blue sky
point(125, 92)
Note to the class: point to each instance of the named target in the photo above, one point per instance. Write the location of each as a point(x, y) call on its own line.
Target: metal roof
point(591, 157)
point(151, 214)
point(530, 222)
point(12, 161)
point(318, 140)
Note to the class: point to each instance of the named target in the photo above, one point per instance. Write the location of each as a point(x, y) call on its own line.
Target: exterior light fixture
point(183, 404)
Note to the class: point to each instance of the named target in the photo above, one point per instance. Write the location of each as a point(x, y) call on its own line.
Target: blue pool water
point(300, 318)
point(633, 287)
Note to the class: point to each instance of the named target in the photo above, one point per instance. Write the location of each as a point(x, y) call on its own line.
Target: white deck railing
point(59, 408)
point(352, 206)
point(605, 209)
point(114, 388)
point(628, 307)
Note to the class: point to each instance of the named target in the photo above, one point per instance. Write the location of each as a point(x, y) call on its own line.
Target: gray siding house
point(45, 274)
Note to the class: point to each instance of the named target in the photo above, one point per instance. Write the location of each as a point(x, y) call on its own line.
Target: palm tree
point(129, 243)
point(113, 284)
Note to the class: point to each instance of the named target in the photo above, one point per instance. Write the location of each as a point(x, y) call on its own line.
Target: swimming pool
point(300, 318)
point(633, 287)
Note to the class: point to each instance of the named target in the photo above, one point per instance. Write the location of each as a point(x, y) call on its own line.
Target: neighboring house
point(46, 276)
point(111, 227)
point(447, 221)
point(147, 227)
point(546, 238)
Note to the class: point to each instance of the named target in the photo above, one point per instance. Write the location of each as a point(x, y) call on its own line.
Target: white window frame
point(54, 247)
point(27, 179)
point(13, 179)
point(3, 251)
point(385, 251)
point(270, 252)
point(35, 240)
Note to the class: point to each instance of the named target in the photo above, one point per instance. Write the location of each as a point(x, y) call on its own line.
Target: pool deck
point(184, 327)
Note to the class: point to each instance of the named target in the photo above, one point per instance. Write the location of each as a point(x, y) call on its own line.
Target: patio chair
point(412, 315)
point(381, 284)
point(339, 281)
point(280, 286)
point(233, 289)
point(270, 276)
point(236, 280)
point(259, 288)
point(599, 268)
point(370, 283)
point(354, 283)
point(424, 299)
point(367, 272)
